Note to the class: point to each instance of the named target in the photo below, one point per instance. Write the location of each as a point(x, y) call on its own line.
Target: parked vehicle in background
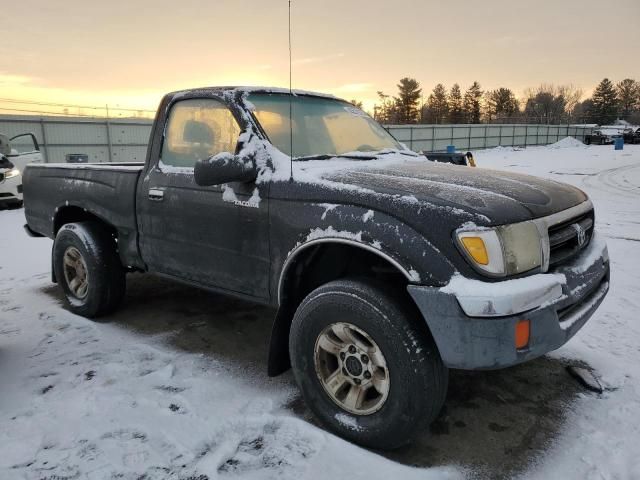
point(631, 135)
point(10, 184)
point(386, 270)
point(16, 153)
point(454, 158)
point(598, 137)
point(21, 150)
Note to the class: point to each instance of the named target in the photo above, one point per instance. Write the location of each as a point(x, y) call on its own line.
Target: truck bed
point(106, 190)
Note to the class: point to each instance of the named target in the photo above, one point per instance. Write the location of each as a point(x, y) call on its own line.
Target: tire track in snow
point(616, 180)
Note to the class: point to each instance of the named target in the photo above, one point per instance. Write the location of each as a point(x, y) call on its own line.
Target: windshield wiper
point(324, 156)
point(401, 152)
point(328, 156)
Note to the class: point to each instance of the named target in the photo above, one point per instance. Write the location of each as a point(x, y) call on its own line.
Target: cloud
point(308, 60)
point(7, 79)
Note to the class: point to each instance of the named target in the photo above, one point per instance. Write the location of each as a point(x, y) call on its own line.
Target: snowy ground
point(174, 386)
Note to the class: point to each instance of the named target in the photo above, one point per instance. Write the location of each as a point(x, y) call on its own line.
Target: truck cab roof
point(220, 90)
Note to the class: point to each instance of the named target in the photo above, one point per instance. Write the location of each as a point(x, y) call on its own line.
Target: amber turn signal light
point(476, 248)
point(522, 334)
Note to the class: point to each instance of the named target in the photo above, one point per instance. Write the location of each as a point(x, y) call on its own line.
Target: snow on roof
point(612, 129)
point(254, 89)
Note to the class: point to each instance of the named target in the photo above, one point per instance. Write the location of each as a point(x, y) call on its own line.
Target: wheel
point(587, 141)
point(366, 368)
point(88, 268)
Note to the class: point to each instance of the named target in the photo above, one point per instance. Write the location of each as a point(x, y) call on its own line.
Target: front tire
point(88, 268)
point(365, 365)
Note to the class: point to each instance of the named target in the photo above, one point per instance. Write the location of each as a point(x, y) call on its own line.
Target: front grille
point(565, 238)
point(5, 194)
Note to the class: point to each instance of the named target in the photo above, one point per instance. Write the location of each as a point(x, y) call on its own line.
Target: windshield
point(321, 126)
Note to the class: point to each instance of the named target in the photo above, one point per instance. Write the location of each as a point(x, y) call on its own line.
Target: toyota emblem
point(580, 232)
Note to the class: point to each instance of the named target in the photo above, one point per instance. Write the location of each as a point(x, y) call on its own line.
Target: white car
point(10, 184)
point(15, 154)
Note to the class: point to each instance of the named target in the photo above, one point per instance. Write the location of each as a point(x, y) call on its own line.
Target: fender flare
point(344, 241)
point(278, 356)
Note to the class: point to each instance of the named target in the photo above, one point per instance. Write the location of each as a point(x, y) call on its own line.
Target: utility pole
point(109, 146)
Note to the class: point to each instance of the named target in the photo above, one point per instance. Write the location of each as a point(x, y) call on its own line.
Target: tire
point(587, 141)
point(88, 247)
point(416, 378)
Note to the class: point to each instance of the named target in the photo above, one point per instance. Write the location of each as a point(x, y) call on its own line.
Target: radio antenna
point(290, 103)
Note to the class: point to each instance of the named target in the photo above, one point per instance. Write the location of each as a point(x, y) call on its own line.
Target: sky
point(128, 53)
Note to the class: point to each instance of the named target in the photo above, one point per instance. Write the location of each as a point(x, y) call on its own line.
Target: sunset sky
point(129, 53)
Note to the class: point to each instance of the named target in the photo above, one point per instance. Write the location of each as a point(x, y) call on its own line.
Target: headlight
point(502, 251)
point(14, 172)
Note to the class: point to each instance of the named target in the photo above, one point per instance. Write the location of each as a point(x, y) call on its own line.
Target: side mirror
point(223, 168)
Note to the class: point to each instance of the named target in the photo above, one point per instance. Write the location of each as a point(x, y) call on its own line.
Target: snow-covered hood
point(501, 196)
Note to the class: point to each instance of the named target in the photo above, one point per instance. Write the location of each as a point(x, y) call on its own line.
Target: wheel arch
point(303, 249)
point(73, 214)
point(304, 270)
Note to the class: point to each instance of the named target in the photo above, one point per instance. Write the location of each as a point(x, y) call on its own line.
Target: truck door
point(213, 236)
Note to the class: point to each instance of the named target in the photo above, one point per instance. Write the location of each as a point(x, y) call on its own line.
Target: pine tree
point(605, 102)
point(628, 91)
point(407, 101)
point(437, 105)
point(471, 103)
point(501, 103)
point(456, 112)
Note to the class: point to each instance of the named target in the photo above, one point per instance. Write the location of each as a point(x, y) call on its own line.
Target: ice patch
point(348, 421)
point(228, 195)
point(333, 233)
point(327, 208)
point(367, 216)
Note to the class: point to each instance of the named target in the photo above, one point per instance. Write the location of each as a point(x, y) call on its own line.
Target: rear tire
point(88, 268)
point(377, 328)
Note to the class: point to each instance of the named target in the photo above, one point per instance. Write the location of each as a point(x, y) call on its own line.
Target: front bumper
point(473, 322)
point(11, 190)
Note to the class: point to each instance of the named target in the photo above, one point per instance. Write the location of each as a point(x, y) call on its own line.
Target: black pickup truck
point(386, 269)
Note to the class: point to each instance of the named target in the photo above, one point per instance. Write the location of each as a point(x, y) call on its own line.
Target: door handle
point(156, 194)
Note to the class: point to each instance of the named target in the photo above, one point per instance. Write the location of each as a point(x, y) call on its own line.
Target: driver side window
point(198, 129)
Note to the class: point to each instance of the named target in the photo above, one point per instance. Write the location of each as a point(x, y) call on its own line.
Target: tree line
point(546, 104)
